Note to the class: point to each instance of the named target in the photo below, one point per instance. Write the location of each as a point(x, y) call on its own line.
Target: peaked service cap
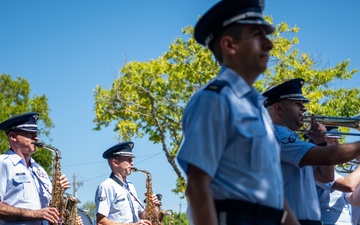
point(227, 12)
point(26, 122)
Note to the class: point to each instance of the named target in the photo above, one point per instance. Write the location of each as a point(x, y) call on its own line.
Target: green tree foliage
point(289, 63)
point(89, 209)
point(148, 98)
point(178, 219)
point(15, 99)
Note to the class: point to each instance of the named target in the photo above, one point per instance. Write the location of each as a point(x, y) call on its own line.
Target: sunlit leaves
point(148, 98)
point(15, 99)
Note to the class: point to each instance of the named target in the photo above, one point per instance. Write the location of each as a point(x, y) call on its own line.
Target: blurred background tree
point(15, 99)
point(148, 98)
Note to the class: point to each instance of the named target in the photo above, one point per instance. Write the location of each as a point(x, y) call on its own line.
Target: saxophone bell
point(71, 212)
point(160, 218)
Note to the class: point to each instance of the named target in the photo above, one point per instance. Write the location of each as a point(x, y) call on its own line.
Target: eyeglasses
point(26, 133)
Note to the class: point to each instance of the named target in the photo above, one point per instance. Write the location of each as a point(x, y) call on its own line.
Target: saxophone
point(67, 207)
point(160, 218)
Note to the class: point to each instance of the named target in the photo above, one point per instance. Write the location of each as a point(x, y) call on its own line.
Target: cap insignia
point(261, 4)
point(36, 117)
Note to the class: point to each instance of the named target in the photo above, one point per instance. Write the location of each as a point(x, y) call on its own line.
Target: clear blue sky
point(66, 48)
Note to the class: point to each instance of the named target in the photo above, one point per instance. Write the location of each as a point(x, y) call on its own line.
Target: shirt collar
point(239, 86)
point(16, 159)
point(281, 128)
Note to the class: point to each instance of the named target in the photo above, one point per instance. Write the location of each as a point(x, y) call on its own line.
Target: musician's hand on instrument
point(50, 214)
point(79, 221)
point(317, 132)
point(64, 183)
point(143, 222)
point(155, 200)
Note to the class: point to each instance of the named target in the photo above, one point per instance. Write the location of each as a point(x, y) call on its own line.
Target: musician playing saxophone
point(116, 198)
point(25, 188)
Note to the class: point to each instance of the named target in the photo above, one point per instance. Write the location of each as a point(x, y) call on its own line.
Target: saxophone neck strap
point(127, 188)
point(117, 180)
point(39, 180)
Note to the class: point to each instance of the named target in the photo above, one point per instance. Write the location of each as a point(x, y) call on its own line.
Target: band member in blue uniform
point(25, 188)
point(230, 153)
point(335, 209)
point(303, 162)
point(116, 199)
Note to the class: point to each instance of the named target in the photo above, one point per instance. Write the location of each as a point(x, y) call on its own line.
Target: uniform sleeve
point(3, 176)
point(293, 149)
point(205, 125)
point(4, 171)
point(102, 201)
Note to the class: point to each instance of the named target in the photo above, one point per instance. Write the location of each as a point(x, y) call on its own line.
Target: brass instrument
point(67, 207)
point(164, 213)
point(347, 167)
point(352, 122)
point(71, 209)
point(160, 219)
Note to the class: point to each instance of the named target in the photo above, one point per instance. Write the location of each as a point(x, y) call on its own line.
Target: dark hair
point(9, 130)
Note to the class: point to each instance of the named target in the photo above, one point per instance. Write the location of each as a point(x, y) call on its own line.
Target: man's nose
point(267, 43)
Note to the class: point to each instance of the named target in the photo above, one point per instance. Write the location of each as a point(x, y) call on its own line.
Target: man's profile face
point(123, 164)
point(252, 48)
point(23, 141)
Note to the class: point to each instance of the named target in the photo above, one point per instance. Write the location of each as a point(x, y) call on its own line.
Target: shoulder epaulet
point(216, 85)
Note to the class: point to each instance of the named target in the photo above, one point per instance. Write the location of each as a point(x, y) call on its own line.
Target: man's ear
point(11, 135)
point(227, 45)
point(278, 108)
point(114, 162)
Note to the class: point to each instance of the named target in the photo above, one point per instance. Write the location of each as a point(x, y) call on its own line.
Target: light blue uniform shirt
point(333, 204)
point(229, 135)
point(355, 214)
point(23, 187)
point(111, 201)
point(299, 181)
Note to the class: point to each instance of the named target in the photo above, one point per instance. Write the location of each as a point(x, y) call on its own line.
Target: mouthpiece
point(307, 115)
point(38, 144)
point(134, 169)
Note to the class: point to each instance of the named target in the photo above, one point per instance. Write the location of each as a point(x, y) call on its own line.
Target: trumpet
point(352, 122)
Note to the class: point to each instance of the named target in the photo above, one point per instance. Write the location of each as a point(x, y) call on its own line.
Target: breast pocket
point(22, 184)
point(120, 204)
point(252, 132)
